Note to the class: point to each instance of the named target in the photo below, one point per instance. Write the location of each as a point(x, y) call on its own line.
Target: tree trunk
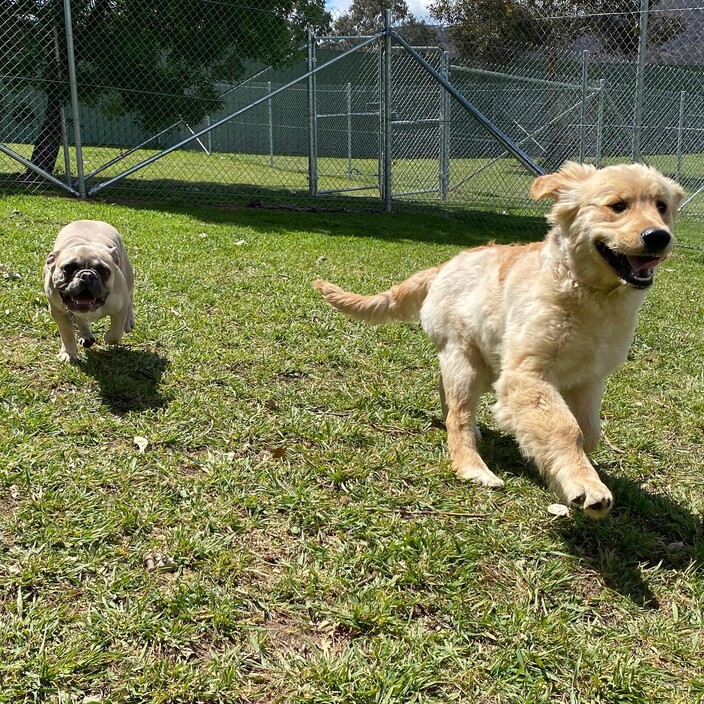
point(48, 143)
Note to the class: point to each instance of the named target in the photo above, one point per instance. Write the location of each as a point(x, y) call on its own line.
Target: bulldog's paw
point(65, 356)
point(87, 341)
point(113, 337)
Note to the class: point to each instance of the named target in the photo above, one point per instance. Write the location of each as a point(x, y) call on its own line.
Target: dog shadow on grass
point(645, 530)
point(128, 379)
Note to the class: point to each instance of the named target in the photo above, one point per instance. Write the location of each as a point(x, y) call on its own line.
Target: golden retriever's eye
point(618, 207)
point(661, 205)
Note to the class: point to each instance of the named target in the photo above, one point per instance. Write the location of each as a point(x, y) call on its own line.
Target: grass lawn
point(292, 532)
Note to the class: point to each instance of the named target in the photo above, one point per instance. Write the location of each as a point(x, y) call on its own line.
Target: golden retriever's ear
point(550, 185)
point(678, 193)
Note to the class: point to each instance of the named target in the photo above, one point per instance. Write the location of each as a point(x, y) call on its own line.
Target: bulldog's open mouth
point(633, 270)
point(82, 302)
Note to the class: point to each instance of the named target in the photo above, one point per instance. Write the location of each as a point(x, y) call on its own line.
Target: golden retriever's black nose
point(655, 239)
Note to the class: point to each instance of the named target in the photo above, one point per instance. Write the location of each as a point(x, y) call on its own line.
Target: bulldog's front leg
point(85, 334)
point(118, 322)
point(68, 351)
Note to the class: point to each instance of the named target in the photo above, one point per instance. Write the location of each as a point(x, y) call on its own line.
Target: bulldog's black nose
point(89, 274)
point(655, 239)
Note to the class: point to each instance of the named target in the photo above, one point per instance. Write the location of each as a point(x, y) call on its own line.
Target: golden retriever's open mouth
point(633, 270)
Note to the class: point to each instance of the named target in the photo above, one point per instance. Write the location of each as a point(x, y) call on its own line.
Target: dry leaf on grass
point(158, 562)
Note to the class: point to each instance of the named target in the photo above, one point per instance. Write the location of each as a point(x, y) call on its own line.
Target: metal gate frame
point(386, 38)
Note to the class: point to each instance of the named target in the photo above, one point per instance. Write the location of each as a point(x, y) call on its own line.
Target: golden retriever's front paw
point(592, 496)
point(480, 475)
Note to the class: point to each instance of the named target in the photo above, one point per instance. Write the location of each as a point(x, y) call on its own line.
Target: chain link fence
point(222, 102)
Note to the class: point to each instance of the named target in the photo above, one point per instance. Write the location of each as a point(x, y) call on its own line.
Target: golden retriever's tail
point(400, 302)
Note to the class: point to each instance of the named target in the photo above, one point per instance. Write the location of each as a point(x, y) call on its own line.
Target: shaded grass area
point(310, 542)
point(496, 185)
point(236, 179)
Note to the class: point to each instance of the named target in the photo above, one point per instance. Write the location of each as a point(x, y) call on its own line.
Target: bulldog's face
point(82, 276)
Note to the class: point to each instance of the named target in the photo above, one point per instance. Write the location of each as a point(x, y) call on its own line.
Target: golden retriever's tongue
point(641, 263)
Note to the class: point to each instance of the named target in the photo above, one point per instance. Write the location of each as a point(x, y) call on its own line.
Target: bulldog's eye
point(70, 268)
point(618, 207)
point(102, 271)
point(661, 205)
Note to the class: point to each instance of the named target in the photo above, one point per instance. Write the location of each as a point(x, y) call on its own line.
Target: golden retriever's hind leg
point(463, 380)
point(443, 406)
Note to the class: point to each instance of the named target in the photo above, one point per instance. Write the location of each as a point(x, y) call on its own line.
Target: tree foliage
point(485, 29)
point(367, 16)
point(419, 33)
point(159, 60)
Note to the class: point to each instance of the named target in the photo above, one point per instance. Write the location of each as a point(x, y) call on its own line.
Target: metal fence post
point(444, 128)
point(640, 75)
point(600, 125)
point(270, 119)
point(312, 121)
point(75, 113)
point(386, 104)
point(380, 114)
point(64, 126)
point(583, 111)
point(349, 130)
point(680, 130)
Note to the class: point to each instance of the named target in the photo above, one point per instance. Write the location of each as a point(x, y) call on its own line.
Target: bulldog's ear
point(51, 259)
point(115, 255)
point(569, 175)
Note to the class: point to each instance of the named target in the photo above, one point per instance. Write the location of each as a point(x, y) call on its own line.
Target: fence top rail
point(418, 48)
point(343, 37)
point(524, 79)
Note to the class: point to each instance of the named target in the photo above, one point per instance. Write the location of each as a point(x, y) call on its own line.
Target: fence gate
point(352, 120)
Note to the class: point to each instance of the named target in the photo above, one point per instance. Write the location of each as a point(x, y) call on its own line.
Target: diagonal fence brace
point(36, 169)
point(484, 121)
point(215, 125)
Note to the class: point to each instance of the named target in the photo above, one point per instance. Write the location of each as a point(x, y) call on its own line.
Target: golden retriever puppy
point(544, 323)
